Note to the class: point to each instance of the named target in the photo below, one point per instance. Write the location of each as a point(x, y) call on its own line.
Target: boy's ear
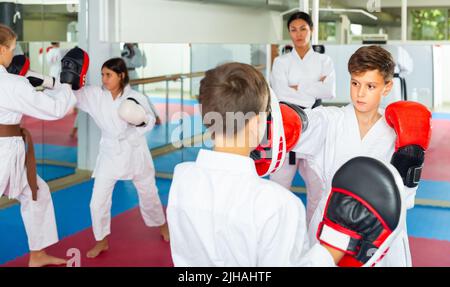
point(254, 131)
point(388, 87)
point(252, 125)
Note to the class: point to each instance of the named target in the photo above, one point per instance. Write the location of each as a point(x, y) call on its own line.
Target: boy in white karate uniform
point(220, 212)
point(361, 128)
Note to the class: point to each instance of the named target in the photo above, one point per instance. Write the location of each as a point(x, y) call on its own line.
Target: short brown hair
point(233, 88)
point(7, 35)
point(369, 58)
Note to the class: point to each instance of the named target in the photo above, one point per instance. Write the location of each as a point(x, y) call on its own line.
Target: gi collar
point(307, 55)
point(226, 162)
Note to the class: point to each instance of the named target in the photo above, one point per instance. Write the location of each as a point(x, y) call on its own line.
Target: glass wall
point(347, 22)
point(424, 23)
point(429, 24)
point(176, 69)
point(416, 63)
point(172, 74)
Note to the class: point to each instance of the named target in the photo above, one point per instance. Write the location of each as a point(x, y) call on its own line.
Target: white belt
point(133, 138)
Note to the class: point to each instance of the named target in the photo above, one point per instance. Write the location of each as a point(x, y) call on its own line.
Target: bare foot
point(41, 258)
point(99, 247)
point(164, 229)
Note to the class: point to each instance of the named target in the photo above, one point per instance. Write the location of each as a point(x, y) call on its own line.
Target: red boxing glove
point(294, 122)
point(412, 124)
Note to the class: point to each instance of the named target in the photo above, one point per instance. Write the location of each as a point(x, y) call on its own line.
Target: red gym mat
point(437, 160)
point(51, 132)
point(131, 244)
point(429, 252)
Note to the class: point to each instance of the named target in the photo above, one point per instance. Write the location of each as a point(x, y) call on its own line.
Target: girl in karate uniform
point(18, 97)
point(302, 77)
point(123, 155)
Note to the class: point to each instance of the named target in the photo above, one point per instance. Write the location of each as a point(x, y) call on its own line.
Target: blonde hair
point(7, 35)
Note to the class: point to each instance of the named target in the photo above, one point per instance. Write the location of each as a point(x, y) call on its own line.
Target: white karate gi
point(331, 140)
point(123, 155)
point(18, 97)
point(221, 213)
point(290, 70)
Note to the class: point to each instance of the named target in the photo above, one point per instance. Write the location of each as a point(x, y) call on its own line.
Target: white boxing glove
point(37, 80)
point(133, 113)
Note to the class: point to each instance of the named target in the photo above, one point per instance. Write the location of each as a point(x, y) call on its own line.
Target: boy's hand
point(322, 79)
point(294, 87)
point(335, 253)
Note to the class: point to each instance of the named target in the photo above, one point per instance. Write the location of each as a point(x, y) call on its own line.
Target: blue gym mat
point(51, 172)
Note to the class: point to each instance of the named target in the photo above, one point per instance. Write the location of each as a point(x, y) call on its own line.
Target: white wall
point(165, 59)
point(446, 71)
point(421, 78)
point(441, 58)
point(208, 56)
point(159, 21)
point(340, 55)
